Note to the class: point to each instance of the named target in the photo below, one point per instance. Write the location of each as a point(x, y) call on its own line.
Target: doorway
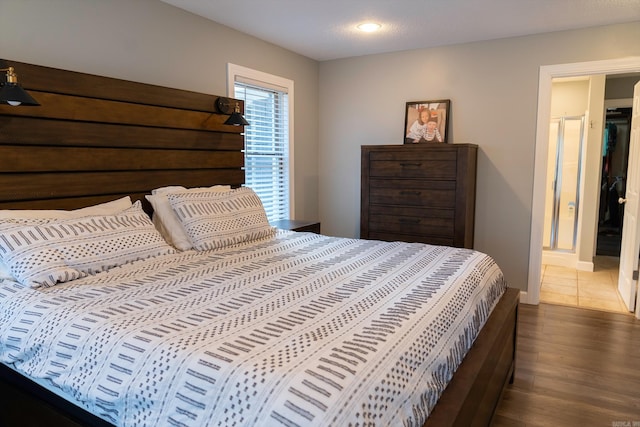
point(547, 73)
point(614, 174)
point(570, 274)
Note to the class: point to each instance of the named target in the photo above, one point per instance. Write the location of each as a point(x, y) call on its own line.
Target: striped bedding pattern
point(294, 330)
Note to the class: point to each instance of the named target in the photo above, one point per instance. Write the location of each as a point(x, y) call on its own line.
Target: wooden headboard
point(94, 139)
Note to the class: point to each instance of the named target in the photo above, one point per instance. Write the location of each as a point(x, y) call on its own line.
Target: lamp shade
point(226, 106)
point(13, 94)
point(236, 119)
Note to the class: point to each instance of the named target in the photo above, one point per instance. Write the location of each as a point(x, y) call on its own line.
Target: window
point(268, 142)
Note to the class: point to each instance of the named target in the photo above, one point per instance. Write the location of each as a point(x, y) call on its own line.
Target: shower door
point(563, 183)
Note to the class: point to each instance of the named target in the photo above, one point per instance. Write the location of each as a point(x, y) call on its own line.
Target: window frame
point(269, 81)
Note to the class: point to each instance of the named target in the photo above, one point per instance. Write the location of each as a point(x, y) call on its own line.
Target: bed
point(277, 328)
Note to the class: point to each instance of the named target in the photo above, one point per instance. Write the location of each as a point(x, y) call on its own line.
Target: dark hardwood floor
point(574, 367)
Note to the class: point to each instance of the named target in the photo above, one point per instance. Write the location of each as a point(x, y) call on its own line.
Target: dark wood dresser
point(298, 225)
point(419, 193)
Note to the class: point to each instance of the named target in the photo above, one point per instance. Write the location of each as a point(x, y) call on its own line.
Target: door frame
point(547, 74)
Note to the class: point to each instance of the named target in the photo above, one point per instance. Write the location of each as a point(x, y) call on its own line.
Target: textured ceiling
point(325, 29)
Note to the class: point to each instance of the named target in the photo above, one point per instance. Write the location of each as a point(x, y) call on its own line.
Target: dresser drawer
point(412, 225)
point(418, 165)
point(410, 155)
point(437, 194)
point(411, 221)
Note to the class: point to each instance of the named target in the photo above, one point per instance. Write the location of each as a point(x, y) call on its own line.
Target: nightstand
point(297, 225)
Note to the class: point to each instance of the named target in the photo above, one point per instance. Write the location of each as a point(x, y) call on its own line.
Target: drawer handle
point(411, 165)
point(410, 193)
point(409, 220)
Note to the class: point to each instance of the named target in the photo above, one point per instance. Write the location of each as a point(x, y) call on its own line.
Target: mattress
point(295, 330)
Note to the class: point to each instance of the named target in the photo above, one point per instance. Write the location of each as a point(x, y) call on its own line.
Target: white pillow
point(165, 219)
point(217, 219)
point(42, 216)
point(108, 208)
point(66, 249)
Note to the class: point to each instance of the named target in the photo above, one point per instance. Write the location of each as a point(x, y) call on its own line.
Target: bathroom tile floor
point(596, 290)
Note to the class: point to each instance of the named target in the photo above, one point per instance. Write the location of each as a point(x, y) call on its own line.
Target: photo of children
point(426, 121)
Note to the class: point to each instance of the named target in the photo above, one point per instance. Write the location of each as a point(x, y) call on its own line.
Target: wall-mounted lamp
point(226, 106)
point(12, 93)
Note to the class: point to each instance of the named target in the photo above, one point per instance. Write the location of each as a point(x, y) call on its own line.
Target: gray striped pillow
point(215, 220)
point(57, 251)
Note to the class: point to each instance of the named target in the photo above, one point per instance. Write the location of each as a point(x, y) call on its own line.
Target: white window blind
point(267, 144)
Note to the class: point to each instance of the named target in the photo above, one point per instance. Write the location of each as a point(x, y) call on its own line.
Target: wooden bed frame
point(94, 139)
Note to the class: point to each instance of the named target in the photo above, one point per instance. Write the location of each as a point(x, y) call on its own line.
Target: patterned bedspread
point(296, 330)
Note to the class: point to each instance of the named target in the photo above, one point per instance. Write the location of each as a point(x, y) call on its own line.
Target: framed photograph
point(426, 121)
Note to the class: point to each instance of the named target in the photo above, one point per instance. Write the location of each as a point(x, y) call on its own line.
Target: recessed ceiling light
point(369, 27)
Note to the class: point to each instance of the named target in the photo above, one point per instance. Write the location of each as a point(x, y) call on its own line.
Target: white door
point(630, 249)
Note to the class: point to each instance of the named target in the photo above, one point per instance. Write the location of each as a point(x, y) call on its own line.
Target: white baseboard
point(524, 298)
point(584, 266)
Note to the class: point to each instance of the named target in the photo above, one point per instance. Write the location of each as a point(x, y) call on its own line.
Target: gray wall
point(340, 105)
point(493, 88)
point(620, 88)
point(152, 42)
